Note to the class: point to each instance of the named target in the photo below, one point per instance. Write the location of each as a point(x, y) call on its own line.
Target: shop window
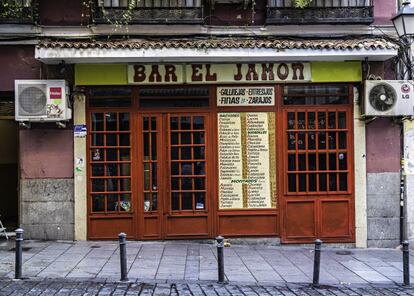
point(315, 95)
point(110, 97)
point(150, 162)
point(317, 151)
point(191, 97)
point(110, 165)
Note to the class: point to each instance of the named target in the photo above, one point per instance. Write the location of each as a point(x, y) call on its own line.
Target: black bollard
point(19, 254)
point(122, 254)
point(406, 263)
point(317, 262)
point(220, 258)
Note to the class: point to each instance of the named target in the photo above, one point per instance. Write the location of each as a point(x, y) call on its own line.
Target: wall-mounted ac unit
point(42, 101)
point(388, 98)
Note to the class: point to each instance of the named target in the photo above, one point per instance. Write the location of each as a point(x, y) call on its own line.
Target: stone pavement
point(191, 261)
point(76, 287)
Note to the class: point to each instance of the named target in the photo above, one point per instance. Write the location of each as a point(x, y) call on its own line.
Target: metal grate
point(32, 99)
point(150, 3)
point(322, 3)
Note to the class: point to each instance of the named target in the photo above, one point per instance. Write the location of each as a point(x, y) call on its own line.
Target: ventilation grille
point(32, 99)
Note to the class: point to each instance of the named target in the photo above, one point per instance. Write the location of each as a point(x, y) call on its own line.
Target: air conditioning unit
point(388, 98)
point(42, 100)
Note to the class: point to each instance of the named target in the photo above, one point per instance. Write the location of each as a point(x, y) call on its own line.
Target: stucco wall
point(383, 182)
point(46, 184)
point(384, 10)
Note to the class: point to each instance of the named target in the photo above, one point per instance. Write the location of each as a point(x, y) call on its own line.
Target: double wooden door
point(173, 175)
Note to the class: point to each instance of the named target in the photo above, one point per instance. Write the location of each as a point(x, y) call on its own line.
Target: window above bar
point(149, 11)
point(321, 12)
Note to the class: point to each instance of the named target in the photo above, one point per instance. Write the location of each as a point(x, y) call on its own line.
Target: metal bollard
point(317, 262)
point(406, 263)
point(122, 254)
point(19, 254)
point(220, 258)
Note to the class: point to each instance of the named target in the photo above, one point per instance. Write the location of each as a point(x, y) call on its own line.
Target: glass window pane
point(146, 146)
point(154, 201)
point(124, 140)
point(174, 138)
point(175, 201)
point(312, 162)
point(302, 182)
point(332, 140)
point(98, 170)
point(174, 153)
point(185, 138)
point(312, 182)
point(342, 140)
point(186, 153)
point(322, 162)
point(97, 139)
point(291, 162)
point(301, 120)
point(125, 154)
point(98, 203)
point(199, 168)
point(175, 184)
point(301, 141)
point(332, 182)
point(153, 123)
point(125, 184)
point(187, 201)
point(332, 161)
point(175, 168)
point(186, 168)
point(174, 123)
point(321, 140)
point(321, 120)
point(97, 154)
point(291, 141)
point(112, 202)
point(147, 202)
point(146, 123)
point(198, 138)
point(147, 173)
point(112, 169)
point(154, 177)
point(199, 184)
point(343, 182)
point(98, 185)
point(124, 121)
point(198, 122)
point(342, 161)
point(125, 169)
point(112, 185)
point(302, 162)
point(111, 121)
point(322, 182)
point(331, 120)
point(199, 152)
point(341, 120)
point(186, 183)
point(125, 202)
point(200, 198)
point(311, 120)
point(185, 123)
point(153, 146)
point(111, 140)
point(111, 154)
point(292, 182)
point(97, 122)
point(311, 141)
point(291, 120)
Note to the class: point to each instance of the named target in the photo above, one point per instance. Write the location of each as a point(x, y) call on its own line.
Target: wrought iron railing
point(320, 11)
point(148, 11)
point(18, 11)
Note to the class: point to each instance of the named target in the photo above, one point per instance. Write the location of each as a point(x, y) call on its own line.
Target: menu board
point(245, 96)
point(247, 177)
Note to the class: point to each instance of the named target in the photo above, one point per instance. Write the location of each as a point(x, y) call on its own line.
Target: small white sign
point(246, 96)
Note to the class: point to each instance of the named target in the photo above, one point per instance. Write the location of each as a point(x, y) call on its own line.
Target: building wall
point(383, 182)
point(383, 11)
point(46, 184)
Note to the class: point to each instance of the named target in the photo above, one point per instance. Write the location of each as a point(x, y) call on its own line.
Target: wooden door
point(175, 188)
point(317, 173)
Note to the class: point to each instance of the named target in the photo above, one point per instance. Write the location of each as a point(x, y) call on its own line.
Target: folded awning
point(214, 50)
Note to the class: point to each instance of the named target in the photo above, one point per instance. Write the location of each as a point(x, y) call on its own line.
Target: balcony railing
point(320, 12)
point(18, 11)
point(149, 11)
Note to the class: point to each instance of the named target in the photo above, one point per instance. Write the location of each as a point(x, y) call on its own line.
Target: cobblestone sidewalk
point(84, 287)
